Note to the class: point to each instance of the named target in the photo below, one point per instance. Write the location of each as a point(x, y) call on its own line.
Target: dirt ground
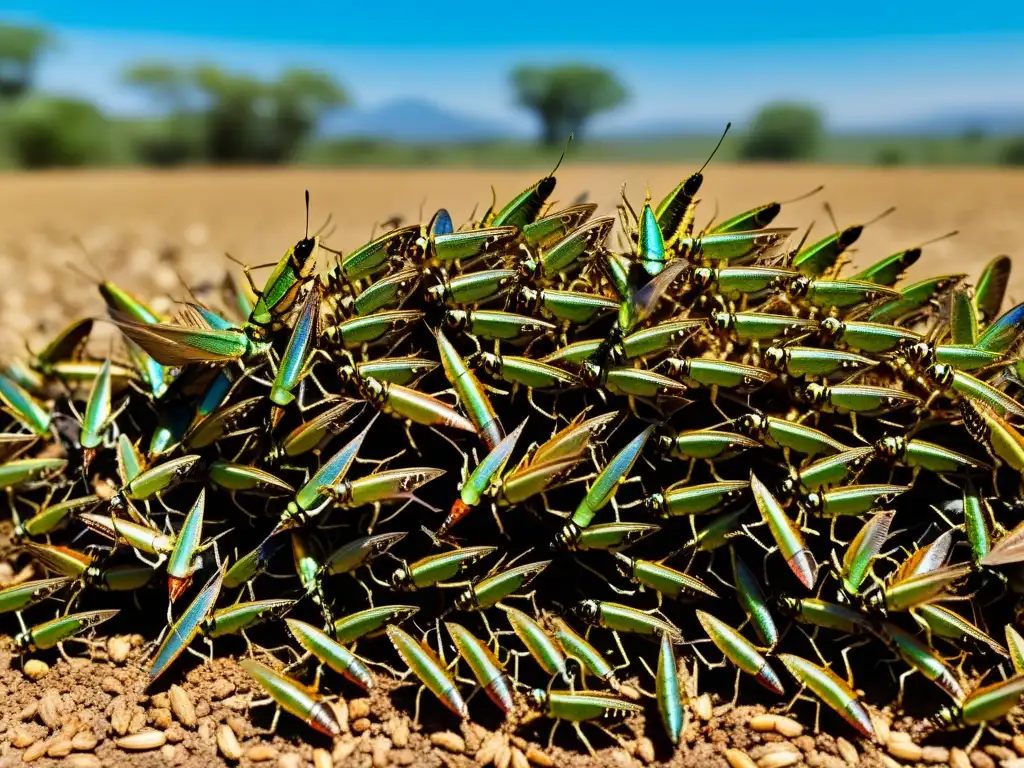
point(144, 229)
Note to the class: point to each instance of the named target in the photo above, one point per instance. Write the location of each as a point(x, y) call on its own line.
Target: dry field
point(144, 229)
point(141, 227)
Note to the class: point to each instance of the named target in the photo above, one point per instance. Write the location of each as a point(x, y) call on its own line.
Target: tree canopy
point(566, 97)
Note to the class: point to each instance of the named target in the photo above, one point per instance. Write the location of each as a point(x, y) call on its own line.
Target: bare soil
point(144, 229)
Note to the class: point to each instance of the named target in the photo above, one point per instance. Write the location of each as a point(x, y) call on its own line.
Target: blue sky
point(866, 64)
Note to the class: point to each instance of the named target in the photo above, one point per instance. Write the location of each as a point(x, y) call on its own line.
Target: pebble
point(402, 757)
point(168, 752)
point(847, 751)
point(221, 689)
point(538, 757)
point(980, 760)
point(322, 759)
point(82, 761)
point(120, 717)
point(84, 741)
point(781, 759)
point(359, 708)
point(261, 753)
point(737, 758)
point(380, 752)
point(202, 708)
point(182, 707)
point(111, 685)
point(228, 744)
point(904, 749)
point(36, 669)
point(448, 740)
point(60, 748)
point(142, 740)
point(645, 749)
point(289, 760)
point(118, 648)
point(175, 734)
point(51, 710)
point(162, 699)
point(1018, 744)
point(958, 758)
point(34, 752)
point(361, 725)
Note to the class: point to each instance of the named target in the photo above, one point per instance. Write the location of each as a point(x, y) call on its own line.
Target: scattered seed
point(788, 727)
point(36, 669)
point(340, 707)
point(519, 759)
point(289, 760)
point(143, 740)
point(82, 761)
point(322, 759)
point(999, 752)
point(168, 752)
point(645, 749)
point(934, 754)
point(881, 729)
point(35, 751)
point(537, 757)
point(448, 740)
point(702, 707)
point(84, 741)
point(1018, 744)
point(260, 753)
point(762, 723)
point(228, 744)
point(958, 758)
point(737, 758)
point(51, 710)
point(504, 756)
point(980, 760)
point(888, 762)
point(181, 706)
point(238, 725)
point(904, 749)
point(60, 748)
point(781, 759)
point(488, 750)
point(400, 733)
point(1016, 762)
point(23, 737)
point(28, 712)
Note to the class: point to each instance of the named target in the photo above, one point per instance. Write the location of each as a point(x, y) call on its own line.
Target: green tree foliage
point(20, 49)
point(1013, 151)
point(49, 132)
point(783, 132)
point(565, 97)
point(228, 118)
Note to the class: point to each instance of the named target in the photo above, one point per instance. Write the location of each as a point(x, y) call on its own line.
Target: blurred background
point(158, 137)
point(408, 84)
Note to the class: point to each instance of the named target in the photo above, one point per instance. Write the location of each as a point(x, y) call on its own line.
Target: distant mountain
point(414, 120)
point(657, 129)
point(994, 121)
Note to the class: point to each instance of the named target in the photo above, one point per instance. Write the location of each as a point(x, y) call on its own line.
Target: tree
point(1013, 152)
point(565, 97)
point(783, 132)
point(232, 117)
point(55, 132)
point(20, 49)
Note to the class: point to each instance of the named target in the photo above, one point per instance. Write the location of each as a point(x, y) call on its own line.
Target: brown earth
point(145, 228)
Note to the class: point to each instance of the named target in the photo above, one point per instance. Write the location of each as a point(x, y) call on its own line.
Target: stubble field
point(145, 229)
